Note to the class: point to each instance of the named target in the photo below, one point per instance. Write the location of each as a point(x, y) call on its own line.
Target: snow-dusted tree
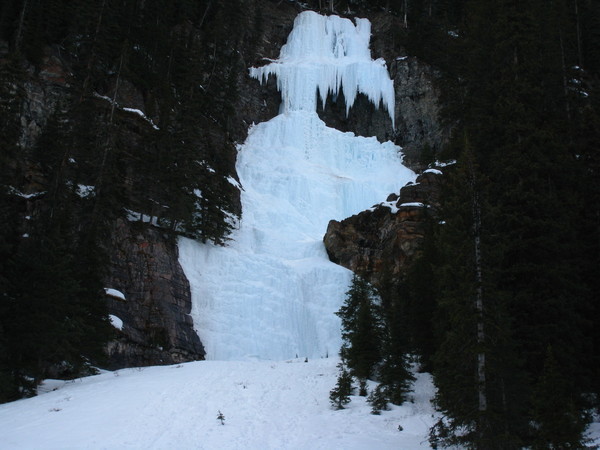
point(377, 399)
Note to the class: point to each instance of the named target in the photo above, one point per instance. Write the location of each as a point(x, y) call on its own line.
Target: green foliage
point(378, 400)
point(339, 396)
point(362, 331)
point(50, 320)
point(394, 371)
point(418, 294)
point(558, 423)
point(511, 71)
point(11, 96)
point(374, 341)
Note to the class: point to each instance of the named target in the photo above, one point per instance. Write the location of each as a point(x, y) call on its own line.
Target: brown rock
point(157, 328)
point(379, 243)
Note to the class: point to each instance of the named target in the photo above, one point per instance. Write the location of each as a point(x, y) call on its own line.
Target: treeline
point(516, 261)
point(502, 305)
point(97, 159)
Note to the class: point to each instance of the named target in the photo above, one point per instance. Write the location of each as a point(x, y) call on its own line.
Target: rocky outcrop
point(384, 240)
point(157, 327)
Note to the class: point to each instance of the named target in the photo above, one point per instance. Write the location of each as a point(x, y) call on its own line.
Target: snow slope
point(272, 292)
point(267, 405)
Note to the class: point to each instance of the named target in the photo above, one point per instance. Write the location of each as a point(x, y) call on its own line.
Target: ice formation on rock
point(272, 293)
point(326, 54)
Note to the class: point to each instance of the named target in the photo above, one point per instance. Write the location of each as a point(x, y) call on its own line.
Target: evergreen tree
point(558, 422)
point(394, 373)
point(475, 369)
point(378, 400)
point(339, 396)
point(418, 292)
point(515, 104)
point(11, 97)
point(361, 329)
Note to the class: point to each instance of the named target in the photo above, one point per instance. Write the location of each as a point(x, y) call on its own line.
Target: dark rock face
point(144, 264)
point(417, 122)
point(259, 103)
point(379, 242)
point(157, 327)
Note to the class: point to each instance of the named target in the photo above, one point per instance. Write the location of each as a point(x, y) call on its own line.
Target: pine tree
point(475, 369)
point(558, 422)
point(378, 400)
point(361, 329)
point(394, 371)
point(339, 396)
point(11, 96)
point(518, 113)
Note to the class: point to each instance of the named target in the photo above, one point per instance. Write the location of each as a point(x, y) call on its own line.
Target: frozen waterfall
point(272, 292)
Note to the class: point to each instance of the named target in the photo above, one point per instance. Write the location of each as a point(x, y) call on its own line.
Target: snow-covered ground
point(267, 405)
point(272, 292)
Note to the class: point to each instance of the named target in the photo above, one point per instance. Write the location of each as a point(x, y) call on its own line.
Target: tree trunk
point(479, 306)
point(92, 57)
point(564, 76)
point(578, 29)
point(19, 33)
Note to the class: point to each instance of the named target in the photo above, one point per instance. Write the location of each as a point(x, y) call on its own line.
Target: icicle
point(325, 54)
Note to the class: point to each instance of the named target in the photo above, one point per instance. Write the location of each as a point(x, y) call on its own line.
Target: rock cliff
point(144, 264)
point(384, 240)
point(418, 124)
point(157, 327)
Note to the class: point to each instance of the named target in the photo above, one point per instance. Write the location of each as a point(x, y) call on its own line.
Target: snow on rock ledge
point(327, 55)
point(115, 294)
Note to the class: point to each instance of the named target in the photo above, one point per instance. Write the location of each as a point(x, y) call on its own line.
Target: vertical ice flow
point(330, 54)
point(272, 292)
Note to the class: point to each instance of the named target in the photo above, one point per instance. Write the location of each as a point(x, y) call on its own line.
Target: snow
point(412, 205)
point(234, 182)
point(134, 216)
point(142, 115)
point(114, 293)
point(272, 293)
point(14, 191)
point(267, 405)
point(435, 171)
point(130, 110)
point(445, 163)
point(116, 321)
point(392, 205)
point(326, 55)
point(85, 191)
